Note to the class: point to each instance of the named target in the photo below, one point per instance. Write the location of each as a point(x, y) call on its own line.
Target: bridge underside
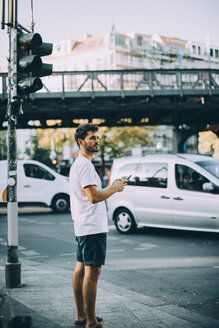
point(186, 99)
point(56, 111)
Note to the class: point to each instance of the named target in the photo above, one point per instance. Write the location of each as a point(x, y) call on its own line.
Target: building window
point(130, 60)
point(80, 46)
point(216, 53)
point(194, 49)
point(86, 65)
point(90, 44)
point(212, 52)
point(99, 64)
point(199, 50)
point(111, 59)
point(63, 47)
point(140, 62)
point(139, 41)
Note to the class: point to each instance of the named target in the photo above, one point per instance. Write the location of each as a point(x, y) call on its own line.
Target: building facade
point(115, 51)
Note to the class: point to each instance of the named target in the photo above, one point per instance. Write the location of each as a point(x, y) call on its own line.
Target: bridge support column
point(180, 135)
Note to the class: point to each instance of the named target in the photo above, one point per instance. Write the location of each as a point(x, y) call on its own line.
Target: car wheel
point(124, 221)
point(60, 203)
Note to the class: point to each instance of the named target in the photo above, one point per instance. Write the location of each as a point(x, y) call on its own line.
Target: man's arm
point(95, 196)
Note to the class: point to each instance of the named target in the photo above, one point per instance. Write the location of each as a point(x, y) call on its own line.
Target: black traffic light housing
point(29, 64)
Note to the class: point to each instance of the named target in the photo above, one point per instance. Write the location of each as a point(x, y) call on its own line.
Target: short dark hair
point(83, 129)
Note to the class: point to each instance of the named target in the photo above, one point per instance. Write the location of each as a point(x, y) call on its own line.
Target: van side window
point(126, 170)
point(189, 179)
point(37, 172)
point(152, 175)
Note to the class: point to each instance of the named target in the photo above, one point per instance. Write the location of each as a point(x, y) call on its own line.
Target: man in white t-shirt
point(90, 223)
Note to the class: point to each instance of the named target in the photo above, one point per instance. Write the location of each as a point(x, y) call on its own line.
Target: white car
point(166, 191)
point(38, 185)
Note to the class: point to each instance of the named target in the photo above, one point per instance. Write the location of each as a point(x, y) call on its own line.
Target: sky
point(57, 20)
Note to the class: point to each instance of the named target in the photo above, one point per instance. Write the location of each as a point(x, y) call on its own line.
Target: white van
point(166, 191)
point(38, 185)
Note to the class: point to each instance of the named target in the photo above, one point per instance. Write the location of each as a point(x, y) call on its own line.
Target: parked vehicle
point(166, 191)
point(38, 185)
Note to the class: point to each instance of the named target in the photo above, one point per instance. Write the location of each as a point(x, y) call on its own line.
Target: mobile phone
point(127, 178)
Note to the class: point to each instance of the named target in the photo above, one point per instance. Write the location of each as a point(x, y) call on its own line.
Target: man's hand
point(119, 184)
point(95, 196)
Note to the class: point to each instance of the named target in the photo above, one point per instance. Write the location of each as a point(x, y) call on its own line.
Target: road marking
point(4, 243)
point(112, 238)
point(116, 250)
point(21, 248)
point(67, 254)
point(127, 241)
point(38, 256)
point(30, 221)
point(140, 249)
point(160, 263)
point(145, 246)
point(30, 253)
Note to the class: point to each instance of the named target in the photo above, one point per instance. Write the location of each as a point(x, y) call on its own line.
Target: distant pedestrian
point(90, 223)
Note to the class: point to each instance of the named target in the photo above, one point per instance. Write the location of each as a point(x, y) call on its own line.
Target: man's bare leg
point(77, 282)
point(91, 276)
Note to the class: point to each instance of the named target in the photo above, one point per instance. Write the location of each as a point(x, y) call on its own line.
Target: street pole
point(13, 266)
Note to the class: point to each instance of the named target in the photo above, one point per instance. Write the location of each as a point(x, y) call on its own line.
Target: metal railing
point(149, 82)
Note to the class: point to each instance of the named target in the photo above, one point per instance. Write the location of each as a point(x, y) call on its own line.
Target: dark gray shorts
point(91, 249)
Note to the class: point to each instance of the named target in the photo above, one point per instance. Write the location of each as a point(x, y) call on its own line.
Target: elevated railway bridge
point(187, 99)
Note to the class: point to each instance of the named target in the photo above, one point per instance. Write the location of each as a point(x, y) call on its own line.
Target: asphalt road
point(181, 268)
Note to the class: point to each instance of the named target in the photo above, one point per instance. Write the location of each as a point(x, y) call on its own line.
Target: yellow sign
point(4, 195)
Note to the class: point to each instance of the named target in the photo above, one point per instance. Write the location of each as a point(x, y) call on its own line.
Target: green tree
point(119, 141)
point(37, 152)
point(114, 142)
point(208, 143)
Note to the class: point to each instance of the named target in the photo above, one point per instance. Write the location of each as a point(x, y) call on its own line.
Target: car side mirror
point(207, 186)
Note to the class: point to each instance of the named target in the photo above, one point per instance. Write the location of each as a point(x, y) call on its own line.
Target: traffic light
point(29, 64)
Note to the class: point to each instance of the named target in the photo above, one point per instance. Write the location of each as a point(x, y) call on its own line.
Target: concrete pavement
point(46, 295)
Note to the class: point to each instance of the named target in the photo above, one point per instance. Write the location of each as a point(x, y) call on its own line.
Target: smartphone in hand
point(127, 178)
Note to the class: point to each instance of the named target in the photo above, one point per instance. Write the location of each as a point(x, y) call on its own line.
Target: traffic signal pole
point(13, 266)
point(25, 67)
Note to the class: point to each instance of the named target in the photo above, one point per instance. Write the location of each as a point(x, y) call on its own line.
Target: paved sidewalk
point(47, 297)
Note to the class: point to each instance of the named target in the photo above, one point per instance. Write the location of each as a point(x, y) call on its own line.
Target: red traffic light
point(29, 41)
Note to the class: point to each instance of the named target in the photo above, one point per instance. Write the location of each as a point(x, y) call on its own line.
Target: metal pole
point(3, 15)
point(13, 266)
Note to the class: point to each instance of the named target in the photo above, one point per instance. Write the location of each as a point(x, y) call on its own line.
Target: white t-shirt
point(88, 218)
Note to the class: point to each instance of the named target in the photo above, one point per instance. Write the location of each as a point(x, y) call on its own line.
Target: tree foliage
point(117, 142)
point(114, 142)
point(56, 138)
point(208, 143)
point(37, 152)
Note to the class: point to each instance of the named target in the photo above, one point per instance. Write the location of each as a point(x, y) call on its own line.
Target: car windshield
point(211, 166)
